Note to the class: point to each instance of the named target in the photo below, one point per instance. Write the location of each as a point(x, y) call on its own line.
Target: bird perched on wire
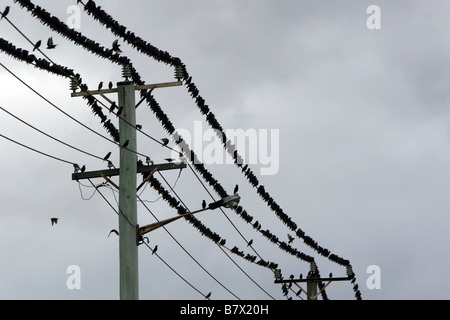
point(126, 144)
point(290, 238)
point(155, 249)
point(165, 141)
point(37, 45)
point(113, 231)
point(113, 106)
point(236, 189)
point(250, 243)
point(5, 12)
point(50, 44)
point(100, 86)
point(83, 168)
point(208, 296)
point(116, 46)
point(110, 85)
point(107, 156)
point(54, 220)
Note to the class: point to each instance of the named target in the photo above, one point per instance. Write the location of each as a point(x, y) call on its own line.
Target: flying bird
point(54, 220)
point(236, 189)
point(50, 44)
point(37, 45)
point(100, 86)
point(154, 249)
point(5, 12)
point(110, 85)
point(113, 231)
point(290, 238)
point(204, 204)
point(208, 296)
point(116, 46)
point(107, 156)
point(165, 141)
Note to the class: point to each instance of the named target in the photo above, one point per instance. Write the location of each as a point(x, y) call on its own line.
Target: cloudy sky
point(363, 148)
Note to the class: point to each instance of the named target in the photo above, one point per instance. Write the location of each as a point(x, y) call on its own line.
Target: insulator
point(126, 72)
point(74, 84)
point(178, 72)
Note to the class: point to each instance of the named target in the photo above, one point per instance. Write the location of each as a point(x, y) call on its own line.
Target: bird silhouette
point(113, 106)
point(139, 127)
point(107, 156)
point(37, 45)
point(250, 243)
point(113, 231)
point(301, 276)
point(54, 220)
point(165, 141)
point(5, 12)
point(236, 189)
point(83, 168)
point(126, 144)
point(110, 85)
point(50, 44)
point(119, 112)
point(331, 275)
point(290, 238)
point(155, 249)
point(100, 86)
point(208, 296)
point(116, 46)
point(204, 204)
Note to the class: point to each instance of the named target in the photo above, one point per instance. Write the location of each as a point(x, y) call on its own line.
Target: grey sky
point(364, 147)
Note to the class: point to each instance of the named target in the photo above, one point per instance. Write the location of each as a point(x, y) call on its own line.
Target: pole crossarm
point(314, 280)
point(150, 227)
point(116, 172)
point(114, 90)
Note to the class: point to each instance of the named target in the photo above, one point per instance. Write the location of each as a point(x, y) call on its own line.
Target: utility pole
point(128, 248)
point(128, 227)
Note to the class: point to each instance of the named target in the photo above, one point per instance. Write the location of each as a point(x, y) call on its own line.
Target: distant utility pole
point(128, 227)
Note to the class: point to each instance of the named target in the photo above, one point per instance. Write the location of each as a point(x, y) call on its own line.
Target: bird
point(208, 296)
point(50, 44)
point(76, 167)
point(148, 161)
point(250, 243)
point(290, 238)
point(107, 156)
point(37, 45)
point(139, 127)
point(110, 85)
point(110, 165)
point(204, 204)
point(126, 144)
point(236, 189)
point(165, 141)
point(331, 275)
point(301, 276)
point(5, 12)
point(113, 106)
point(83, 168)
point(54, 220)
point(154, 249)
point(116, 46)
point(113, 231)
point(100, 86)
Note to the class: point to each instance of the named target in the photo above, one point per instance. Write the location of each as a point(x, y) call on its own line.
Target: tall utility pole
point(129, 231)
point(128, 248)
